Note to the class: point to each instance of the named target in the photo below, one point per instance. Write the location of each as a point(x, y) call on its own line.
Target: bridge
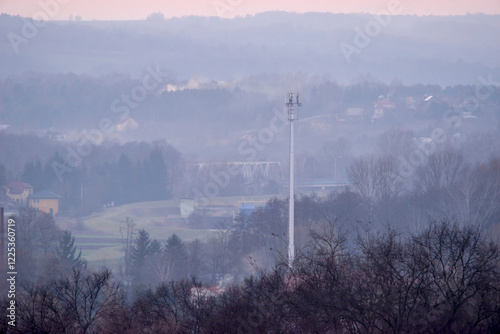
point(319, 184)
point(250, 170)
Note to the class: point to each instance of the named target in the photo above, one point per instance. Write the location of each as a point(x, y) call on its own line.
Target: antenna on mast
point(292, 102)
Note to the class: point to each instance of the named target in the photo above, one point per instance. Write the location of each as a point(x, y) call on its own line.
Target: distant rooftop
point(247, 206)
point(44, 194)
point(17, 187)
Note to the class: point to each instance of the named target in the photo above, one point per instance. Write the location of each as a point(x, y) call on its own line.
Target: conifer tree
point(66, 251)
point(177, 255)
point(144, 247)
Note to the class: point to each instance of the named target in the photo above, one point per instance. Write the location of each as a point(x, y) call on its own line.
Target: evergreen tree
point(126, 180)
point(177, 255)
point(144, 247)
point(157, 176)
point(66, 252)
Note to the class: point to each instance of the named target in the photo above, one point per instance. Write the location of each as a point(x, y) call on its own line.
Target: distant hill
point(430, 49)
point(223, 80)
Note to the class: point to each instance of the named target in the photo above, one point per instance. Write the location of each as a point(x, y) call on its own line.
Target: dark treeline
point(443, 279)
point(70, 102)
point(454, 178)
point(43, 250)
point(112, 174)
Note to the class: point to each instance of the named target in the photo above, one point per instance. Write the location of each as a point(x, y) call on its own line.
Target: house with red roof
point(18, 191)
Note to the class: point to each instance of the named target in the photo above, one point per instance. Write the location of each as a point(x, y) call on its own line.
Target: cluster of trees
point(73, 102)
point(227, 251)
point(443, 184)
point(125, 182)
point(409, 149)
point(443, 279)
point(43, 250)
point(70, 102)
point(136, 171)
point(112, 174)
point(346, 277)
point(148, 262)
point(231, 248)
point(75, 303)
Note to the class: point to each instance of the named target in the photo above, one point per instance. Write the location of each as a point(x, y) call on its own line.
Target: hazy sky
point(128, 9)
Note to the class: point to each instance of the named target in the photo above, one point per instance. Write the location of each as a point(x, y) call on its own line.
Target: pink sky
point(128, 9)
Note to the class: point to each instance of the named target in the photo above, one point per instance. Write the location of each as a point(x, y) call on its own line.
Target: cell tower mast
point(292, 101)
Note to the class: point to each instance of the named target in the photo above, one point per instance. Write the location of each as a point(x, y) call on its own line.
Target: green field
point(100, 239)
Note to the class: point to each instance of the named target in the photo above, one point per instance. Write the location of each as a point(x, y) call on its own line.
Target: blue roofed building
point(247, 208)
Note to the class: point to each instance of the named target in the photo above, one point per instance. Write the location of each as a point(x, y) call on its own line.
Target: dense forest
point(111, 177)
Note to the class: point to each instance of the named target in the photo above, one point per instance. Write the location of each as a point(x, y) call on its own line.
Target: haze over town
point(144, 166)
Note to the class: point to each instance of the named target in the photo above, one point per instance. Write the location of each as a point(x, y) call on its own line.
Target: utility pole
point(292, 102)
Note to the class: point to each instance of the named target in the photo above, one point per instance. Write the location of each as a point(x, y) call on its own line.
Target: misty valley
point(145, 175)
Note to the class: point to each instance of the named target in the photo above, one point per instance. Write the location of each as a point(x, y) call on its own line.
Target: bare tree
point(475, 197)
point(161, 266)
point(461, 268)
point(217, 249)
point(376, 181)
point(196, 257)
point(481, 145)
point(374, 178)
point(37, 235)
point(79, 303)
point(389, 287)
point(127, 233)
point(333, 156)
point(37, 230)
point(84, 298)
point(440, 171)
point(173, 307)
point(319, 298)
point(38, 310)
point(449, 188)
point(397, 142)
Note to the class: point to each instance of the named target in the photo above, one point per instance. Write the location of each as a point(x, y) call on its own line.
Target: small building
point(18, 191)
point(381, 107)
point(247, 209)
point(411, 103)
point(186, 207)
point(435, 106)
point(355, 112)
point(126, 124)
point(45, 201)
